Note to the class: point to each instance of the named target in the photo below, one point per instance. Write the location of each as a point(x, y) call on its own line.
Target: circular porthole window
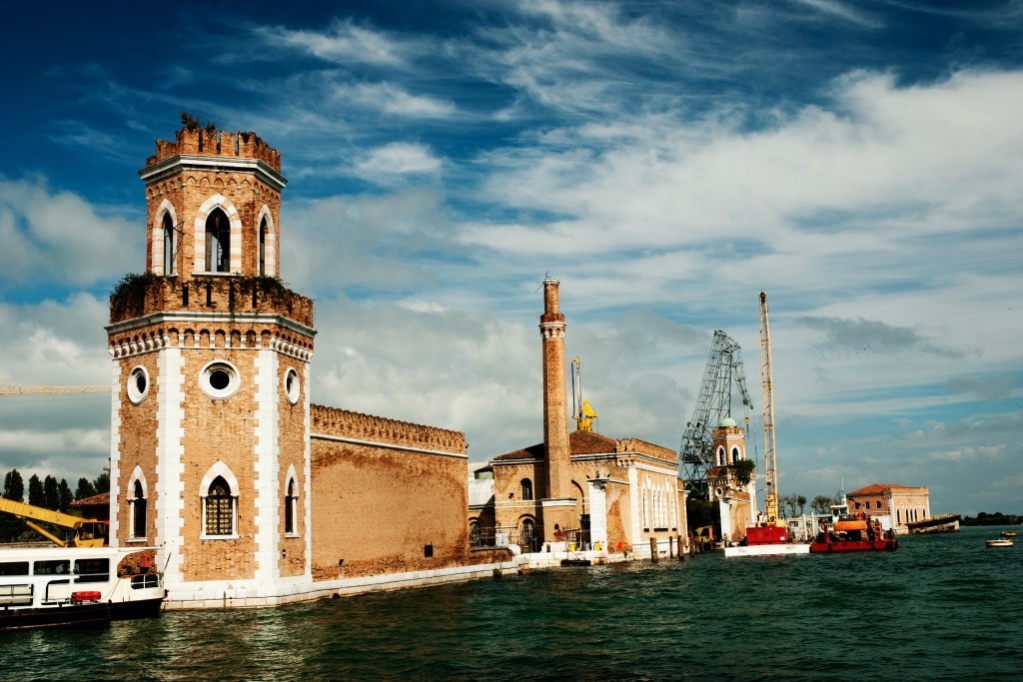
point(138, 385)
point(291, 386)
point(219, 379)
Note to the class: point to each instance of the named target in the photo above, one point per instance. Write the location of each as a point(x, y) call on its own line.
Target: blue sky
point(861, 162)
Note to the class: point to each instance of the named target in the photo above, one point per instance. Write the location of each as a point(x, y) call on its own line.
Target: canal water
point(941, 607)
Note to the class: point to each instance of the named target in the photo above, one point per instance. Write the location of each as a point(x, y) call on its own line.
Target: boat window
point(92, 570)
point(52, 567)
point(13, 568)
point(139, 582)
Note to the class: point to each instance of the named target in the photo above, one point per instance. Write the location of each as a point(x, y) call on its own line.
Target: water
point(939, 608)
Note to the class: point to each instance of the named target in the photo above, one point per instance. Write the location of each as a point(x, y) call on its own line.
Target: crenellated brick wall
point(209, 294)
point(330, 421)
point(199, 142)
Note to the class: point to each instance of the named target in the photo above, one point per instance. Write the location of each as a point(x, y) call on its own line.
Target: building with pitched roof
point(902, 504)
point(580, 489)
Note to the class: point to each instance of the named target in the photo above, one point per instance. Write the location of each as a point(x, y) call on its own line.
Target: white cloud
point(397, 158)
point(52, 235)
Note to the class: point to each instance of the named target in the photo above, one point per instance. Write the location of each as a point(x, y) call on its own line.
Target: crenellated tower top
point(201, 142)
point(213, 202)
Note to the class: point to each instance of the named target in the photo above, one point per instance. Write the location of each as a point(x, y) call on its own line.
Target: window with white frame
point(218, 242)
point(290, 508)
point(219, 508)
point(137, 510)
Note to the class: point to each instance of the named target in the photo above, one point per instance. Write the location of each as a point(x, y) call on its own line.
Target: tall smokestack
point(555, 395)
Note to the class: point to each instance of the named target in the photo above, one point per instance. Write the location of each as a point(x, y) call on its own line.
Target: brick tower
point(210, 455)
point(736, 498)
point(558, 502)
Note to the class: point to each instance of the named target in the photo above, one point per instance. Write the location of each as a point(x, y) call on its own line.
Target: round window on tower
point(138, 385)
point(291, 386)
point(219, 379)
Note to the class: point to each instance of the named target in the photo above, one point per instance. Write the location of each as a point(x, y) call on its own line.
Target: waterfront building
point(254, 495)
point(582, 489)
point(731, 485)
point(901, 504)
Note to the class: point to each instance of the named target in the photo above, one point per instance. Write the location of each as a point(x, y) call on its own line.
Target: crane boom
point(86, 532)
point(724, 367)
point(767, 394)
point(28, 389)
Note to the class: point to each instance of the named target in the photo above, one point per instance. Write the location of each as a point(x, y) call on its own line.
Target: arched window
point(218, 242)
point(735, 455)
point(219, 508)
point(475, 533)
point(527, 489)
point(721, 457)
point(290, 508)
point(528, 535)
point(137, 510)
point(262, 248)
point(168, 245)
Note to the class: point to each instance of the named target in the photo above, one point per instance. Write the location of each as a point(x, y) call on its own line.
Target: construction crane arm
point(87, 532)
point(28, 389)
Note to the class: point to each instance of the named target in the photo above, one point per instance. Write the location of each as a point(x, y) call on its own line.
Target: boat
point(1008, 534)
point(944, 523)
point(45, 586)
point(999, 542)
point(852, 533)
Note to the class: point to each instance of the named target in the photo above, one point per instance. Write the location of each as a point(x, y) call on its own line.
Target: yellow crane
point(767, 394)
point(7, 389)
point(83, 532)
point(584, 415)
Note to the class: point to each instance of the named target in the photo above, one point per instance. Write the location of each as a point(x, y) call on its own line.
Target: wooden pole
point(653, 550)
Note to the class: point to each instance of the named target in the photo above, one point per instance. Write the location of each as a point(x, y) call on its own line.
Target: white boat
point(55, 586)
point(1000, 542)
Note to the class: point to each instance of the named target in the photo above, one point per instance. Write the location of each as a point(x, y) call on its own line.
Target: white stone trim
point(170, 466)
point(389, 446)
point(270, 246)
point(115, 449)
point(235, 256)
point(219, 469)
point(156, 265)
point(265, 466)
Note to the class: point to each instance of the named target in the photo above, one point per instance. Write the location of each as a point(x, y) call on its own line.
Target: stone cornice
point(222, 164)
point(173, 317)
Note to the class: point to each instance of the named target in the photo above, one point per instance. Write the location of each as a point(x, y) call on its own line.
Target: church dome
point(727, 421)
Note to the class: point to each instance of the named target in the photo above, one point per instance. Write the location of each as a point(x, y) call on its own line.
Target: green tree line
point(48, 493)
point(996, 519)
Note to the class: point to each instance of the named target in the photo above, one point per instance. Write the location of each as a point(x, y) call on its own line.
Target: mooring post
point(653, 550)
point(671, 547)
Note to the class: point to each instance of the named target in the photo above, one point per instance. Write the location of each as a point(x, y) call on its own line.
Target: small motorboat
point(1008, 533)
point(1000, 542)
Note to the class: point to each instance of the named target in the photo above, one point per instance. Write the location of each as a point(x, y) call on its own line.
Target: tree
point(789, 504)
point(36, 496)
point(102, 483)
point(64, 496)
point(11, 528)
point(85, 489)
point(51, 494)
point(14, 486)
point(801, 501)
point(821, 504)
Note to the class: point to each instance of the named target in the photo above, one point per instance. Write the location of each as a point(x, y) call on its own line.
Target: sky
point(861, 162)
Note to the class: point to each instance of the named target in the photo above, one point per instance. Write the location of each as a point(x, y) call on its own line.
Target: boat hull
point(51, 617)
point(835, 546)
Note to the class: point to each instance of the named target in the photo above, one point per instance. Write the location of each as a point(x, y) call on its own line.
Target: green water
point(939, 608)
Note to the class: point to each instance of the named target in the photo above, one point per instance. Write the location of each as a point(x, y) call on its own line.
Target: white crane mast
point(767, 395)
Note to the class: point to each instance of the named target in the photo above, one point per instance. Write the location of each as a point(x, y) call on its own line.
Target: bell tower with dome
point(210, 450)
point(736, 496)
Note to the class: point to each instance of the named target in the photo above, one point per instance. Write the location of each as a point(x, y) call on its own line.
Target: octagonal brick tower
point(210, 455)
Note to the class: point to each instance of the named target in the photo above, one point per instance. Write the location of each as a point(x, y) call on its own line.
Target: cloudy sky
point(862, 162)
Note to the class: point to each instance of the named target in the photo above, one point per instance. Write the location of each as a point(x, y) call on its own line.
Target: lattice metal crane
point(28, 389)
point(767, 395)
point(724, 368)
